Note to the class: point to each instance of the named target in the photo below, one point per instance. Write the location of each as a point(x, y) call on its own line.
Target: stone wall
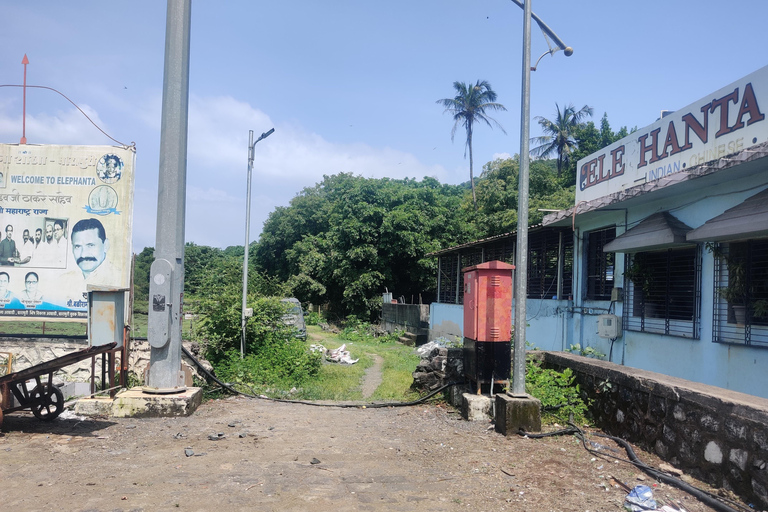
point(713, 434)
point(31, 351)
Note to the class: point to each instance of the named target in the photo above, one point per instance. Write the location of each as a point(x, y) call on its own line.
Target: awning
point(746, 220)
point(659, 231)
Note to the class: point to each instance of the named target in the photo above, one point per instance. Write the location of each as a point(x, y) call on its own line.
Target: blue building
point(669, 233)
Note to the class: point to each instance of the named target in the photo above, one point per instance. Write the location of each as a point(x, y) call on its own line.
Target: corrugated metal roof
point(481, 241)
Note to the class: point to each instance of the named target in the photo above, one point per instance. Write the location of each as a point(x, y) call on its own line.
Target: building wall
point(739, 368)
point(558, 324)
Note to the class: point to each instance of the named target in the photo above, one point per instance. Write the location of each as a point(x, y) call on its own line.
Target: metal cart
point(45, 400)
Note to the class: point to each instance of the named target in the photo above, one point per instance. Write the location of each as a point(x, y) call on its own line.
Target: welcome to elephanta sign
point(66, 216)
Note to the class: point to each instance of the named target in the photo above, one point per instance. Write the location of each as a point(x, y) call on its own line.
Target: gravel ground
point(275, 456)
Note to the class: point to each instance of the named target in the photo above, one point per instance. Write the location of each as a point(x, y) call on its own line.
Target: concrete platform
point(134, 403)
point(516, 412)
point(476, 407)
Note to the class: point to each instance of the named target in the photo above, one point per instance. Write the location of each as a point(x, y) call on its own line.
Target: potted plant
point(640, 272)
point(736, 292)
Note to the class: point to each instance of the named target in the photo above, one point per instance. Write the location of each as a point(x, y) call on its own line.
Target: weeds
point(560, 397)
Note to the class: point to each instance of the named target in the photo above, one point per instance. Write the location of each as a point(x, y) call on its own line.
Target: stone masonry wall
point(31, 351)
point(716, 435)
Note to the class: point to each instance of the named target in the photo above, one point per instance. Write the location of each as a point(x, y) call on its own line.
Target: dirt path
point(296, 457)
point(373, 376)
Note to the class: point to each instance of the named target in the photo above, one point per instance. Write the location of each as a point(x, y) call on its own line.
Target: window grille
point(600, 265)
point(544, 248)
point(664, 294)
point(741, 293)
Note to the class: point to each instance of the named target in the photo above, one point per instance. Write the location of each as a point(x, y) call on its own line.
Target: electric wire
point(711, 500)
point(132, 144)
point(373, 405)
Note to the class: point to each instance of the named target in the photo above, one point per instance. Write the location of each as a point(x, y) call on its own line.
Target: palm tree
point(469, 105)
point(559, 134)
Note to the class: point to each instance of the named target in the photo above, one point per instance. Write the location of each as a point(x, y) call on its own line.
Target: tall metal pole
point(251, 149)
point(521, 285)
point(247, 240)
point(167, 271)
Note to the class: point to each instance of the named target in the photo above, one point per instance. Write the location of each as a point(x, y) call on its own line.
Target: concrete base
point(137, 404)
point(475, 407)
point(514, 413)
point(98, 406)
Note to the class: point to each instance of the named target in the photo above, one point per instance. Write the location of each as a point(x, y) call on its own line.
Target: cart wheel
point(50, 402)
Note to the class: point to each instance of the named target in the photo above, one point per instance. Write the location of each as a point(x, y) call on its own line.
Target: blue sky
point(349, 86)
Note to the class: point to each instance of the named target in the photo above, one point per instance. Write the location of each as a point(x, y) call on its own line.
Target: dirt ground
point(272, 456)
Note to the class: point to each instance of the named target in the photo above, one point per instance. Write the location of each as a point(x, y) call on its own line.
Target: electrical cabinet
point(608, 326)
point(488, 322)
point(488, 301)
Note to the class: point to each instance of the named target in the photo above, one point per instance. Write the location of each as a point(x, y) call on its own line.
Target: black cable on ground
point(229, 388)
point(706, 497)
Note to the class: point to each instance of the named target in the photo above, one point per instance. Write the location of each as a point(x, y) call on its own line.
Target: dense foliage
point(348, 239)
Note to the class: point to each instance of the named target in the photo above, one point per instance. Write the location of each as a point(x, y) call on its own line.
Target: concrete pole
point(167, 271)
point(521, 266)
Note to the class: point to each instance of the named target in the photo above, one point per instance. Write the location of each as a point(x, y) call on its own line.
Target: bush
point(357, 330)
point(272, 354)
point(282, 364)
point(312, 318)
point(559, 396)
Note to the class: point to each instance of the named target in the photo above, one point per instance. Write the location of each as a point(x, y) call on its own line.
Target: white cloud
point(285, 163)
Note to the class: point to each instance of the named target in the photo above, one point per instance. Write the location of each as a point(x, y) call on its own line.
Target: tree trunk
point(471, 174)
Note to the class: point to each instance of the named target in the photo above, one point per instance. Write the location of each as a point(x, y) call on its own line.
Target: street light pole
point(251, 146)
point(521, 260)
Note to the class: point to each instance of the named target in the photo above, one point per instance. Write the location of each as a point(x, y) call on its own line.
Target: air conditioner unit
point(608, 326)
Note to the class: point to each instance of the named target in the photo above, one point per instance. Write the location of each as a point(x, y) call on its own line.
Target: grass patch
point(44, 328)
point(339, 382)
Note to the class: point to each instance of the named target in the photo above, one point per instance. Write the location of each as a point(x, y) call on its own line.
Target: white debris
point(337, 355)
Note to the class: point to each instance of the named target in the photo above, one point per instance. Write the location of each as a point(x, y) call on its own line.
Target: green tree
point(497, 194)
point(469, 105)
point(559, 134)
point(362, 236)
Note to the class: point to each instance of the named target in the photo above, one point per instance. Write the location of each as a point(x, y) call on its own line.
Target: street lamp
point(521, 261)
point(251, 146)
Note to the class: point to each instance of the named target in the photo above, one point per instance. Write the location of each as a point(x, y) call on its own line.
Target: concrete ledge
point(514, 413)
point(98, 406)
point(475, 407)
point(137, 404)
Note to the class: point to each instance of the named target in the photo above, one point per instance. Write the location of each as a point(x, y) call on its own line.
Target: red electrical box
point(488, 301)
point(487, 323)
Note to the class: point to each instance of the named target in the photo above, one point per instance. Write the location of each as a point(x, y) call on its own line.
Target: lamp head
point(568, 51)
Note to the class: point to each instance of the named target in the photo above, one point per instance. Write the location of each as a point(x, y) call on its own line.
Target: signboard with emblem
point(66, 217)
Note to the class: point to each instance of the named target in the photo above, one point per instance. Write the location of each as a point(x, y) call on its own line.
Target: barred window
point(741, 293)
point(549, 257)
point(600, 265)
point(663, 292)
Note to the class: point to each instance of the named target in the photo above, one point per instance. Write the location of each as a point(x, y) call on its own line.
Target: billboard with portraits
point(66, 216)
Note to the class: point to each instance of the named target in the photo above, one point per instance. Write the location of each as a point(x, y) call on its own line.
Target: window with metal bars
point(741, 293)
point(548, 252)
point(545, 247)
point(663, 292)
point(600, 265)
